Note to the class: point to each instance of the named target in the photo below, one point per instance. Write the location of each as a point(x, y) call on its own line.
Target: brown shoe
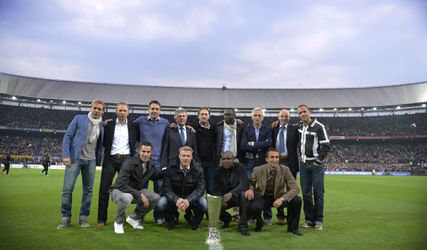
point(281, 221)
point(100, 224)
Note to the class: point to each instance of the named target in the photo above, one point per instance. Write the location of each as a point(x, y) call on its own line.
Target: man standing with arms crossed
point(314, 146)
point(119, 144)
point(81, 151)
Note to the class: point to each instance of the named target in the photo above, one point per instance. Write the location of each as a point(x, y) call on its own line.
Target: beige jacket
point(283, 176)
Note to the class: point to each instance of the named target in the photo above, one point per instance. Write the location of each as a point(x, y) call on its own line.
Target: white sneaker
point(118, 228)
point(134, 223)
point(268, 222)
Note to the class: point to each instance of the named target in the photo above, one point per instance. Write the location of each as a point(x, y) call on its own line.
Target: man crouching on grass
point(129, 188)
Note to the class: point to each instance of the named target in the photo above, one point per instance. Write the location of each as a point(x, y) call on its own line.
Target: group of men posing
point(253, 167)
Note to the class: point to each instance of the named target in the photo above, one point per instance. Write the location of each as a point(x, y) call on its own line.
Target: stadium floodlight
point(51, 101)
point(292, 110)
point(321, 109)
point(424, 105)
point(350, 109)
point(80, 103)
point(335, 109)
point(64, 102)
point(362, 109)
point(14, 98)
point(398, 107)
point(38, 100)
point(235, 110)
point(374, 108)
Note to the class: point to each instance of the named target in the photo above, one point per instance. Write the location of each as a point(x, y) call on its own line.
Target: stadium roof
point(213, 97)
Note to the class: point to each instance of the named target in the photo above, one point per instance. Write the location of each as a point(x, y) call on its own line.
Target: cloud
point(142, 21)
point(324, 45)
point(26, 57)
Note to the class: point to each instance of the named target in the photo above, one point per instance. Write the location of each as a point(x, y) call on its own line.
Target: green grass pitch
point(361, 212)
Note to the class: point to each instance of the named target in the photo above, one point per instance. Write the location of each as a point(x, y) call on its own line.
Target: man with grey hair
point(81, 152)
point(256, 140)
point(177, 137)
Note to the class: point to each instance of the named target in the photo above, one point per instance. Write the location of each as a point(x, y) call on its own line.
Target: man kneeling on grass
point(129, 188)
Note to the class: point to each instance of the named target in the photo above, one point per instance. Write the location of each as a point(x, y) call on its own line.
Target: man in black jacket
point(129, 188)
point(230, 181)
point(45, 163)
point(183, 188)
point(120, 137)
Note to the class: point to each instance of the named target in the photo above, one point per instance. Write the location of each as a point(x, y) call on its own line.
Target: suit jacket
point(234, 180)
point(109, 137)
point(283, 178)
point(220, 140)
point(75, 138)
point(292, 139)
point(171, 144)
point(261, 146)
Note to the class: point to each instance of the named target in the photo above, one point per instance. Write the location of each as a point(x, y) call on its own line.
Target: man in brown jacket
point(268, 188)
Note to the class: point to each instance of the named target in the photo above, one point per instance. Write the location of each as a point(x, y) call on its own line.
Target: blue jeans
point(208, 170)
point(157, 189)
point(72, 171)
point(312, 179)
point(198, 207)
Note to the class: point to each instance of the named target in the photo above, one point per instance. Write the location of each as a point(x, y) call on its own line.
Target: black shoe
point(189, 218)
point(195, 227)
point(259, 225)
point(296, 232)
point(226, 224)
point(171, 226)
point(244, 231)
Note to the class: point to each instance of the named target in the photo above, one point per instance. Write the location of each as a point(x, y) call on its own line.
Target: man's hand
point(182, 204)
point(249, 194)
point(145, 201)
point(191, 129)
point(317, 162)
point(179, 202)
point(226, 198)
point(251, 143)
point(278, 202)
point(66, 161)
point(274, 124)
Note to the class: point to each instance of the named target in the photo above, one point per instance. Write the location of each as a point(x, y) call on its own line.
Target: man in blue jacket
point(81, 152)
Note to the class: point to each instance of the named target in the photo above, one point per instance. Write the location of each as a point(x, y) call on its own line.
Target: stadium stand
point(374, 135)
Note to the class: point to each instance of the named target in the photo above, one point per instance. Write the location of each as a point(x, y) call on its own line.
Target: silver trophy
point(214, 210)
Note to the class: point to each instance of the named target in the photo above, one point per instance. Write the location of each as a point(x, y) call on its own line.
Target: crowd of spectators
point(411, 124)
point(379, 156)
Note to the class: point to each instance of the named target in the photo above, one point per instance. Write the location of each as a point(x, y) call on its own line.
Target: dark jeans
point(208, 170)
point(110, 167)
point(262, 202)
point(280, 211)
point(45, 169)
point(197, 207)
point(243, 204)
point(313, 183)
point(6, 168)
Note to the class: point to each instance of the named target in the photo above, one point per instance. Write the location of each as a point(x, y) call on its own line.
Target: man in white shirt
point(119, 144)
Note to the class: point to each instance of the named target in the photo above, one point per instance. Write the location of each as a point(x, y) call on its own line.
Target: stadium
point(372, 129)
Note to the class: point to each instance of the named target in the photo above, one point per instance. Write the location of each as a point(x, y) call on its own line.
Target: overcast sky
point(239, 44)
